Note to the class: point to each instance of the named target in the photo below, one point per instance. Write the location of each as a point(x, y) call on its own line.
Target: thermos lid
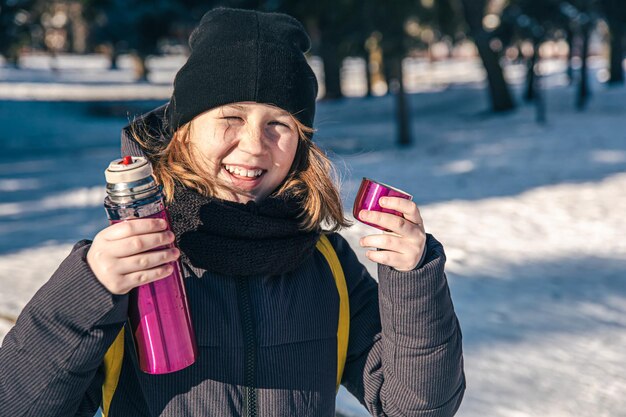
point(128, 169)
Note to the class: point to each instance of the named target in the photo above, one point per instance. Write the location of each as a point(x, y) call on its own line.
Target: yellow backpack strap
point(343, 325)
point(112, 369)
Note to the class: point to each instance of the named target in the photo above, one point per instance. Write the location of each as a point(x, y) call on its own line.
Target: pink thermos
point(158, 311)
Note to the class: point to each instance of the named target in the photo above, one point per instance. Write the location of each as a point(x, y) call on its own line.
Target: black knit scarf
point(239, 239)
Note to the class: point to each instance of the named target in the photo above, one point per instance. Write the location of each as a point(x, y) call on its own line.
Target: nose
point(251, 140)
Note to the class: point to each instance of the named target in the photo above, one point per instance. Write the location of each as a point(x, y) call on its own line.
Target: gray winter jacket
point(404, 353)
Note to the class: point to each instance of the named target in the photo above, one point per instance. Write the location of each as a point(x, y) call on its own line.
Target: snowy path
point(532, 218)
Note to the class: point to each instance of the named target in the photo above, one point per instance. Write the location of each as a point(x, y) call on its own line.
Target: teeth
point(243, 172)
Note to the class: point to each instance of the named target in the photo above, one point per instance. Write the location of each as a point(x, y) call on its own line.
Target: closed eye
point(232, 121)
point(277, 123)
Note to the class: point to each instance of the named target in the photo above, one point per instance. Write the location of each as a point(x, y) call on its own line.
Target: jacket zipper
point(249, 339)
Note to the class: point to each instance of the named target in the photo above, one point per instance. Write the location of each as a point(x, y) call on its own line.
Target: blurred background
point(504, 118)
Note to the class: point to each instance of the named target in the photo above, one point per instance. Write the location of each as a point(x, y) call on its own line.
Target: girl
point(248, 193)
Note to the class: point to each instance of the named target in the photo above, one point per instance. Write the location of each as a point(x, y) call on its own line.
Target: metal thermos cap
point(128, 169)
point(130, 180)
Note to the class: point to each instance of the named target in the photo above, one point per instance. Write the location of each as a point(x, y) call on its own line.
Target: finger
point(385, 242)
point(410, 249)
point(395, 260)
point(133, 227)
point(146, 276)
point(408, 208)
point(388, 221)
point(146, 260)
point(136, 244)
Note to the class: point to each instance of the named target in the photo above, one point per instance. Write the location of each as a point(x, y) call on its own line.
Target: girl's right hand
point(122, 256)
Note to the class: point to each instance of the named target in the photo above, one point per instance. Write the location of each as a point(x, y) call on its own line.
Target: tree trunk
point(501, 99)
point(616, 29)
point(332, 69)
point(113, 55)
point(141, 70)
point(12, 61)
point(54, 61)
point(12, 57)
point(403, 123)
point(529, 95)
point(615, 18)
point(499, 94)
point(583, 86)
point(368, 75)
point(539, 98)
point(569, 37)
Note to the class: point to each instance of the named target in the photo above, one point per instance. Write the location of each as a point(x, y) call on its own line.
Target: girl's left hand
point(402, 247)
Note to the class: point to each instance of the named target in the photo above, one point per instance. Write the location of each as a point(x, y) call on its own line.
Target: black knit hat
point(244, 55)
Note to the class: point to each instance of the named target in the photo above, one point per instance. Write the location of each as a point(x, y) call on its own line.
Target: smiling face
point(248, 146)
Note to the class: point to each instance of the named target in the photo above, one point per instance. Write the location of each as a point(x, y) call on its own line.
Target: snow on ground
point(531, 217)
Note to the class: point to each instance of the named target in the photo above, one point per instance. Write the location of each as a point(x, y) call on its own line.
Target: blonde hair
point(312, 179)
